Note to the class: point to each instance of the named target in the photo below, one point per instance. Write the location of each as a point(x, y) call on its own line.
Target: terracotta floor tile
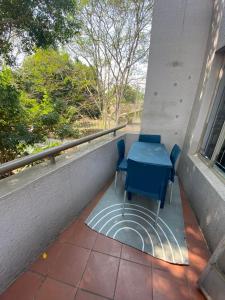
point(193, 233)
point(198, 258)
point(42, 265)
point(107, 245)
point(134, 282)
point(70, 265)
point(24, 288)
point(68, 232)
point(132, 254)
point(84, 295)
point(82, 235)
point(55, 290)
point(177, 271)
point(189, 217)
point(193, 273)
point(86, 211)
point(167, 287)
point(100, 274)
point(195, 293)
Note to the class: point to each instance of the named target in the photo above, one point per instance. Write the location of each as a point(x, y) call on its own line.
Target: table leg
point(163, 197)
point(129, 196)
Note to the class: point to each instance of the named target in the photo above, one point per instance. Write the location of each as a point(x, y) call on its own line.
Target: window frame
point(211, 162)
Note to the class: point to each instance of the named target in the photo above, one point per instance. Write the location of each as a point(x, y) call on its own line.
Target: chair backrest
point(175, 154)
point(173, 157)
point(146, 180)
point(150, 138)
point(121, 150)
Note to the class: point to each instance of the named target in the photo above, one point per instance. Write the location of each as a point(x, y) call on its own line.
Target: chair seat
point(122, 165)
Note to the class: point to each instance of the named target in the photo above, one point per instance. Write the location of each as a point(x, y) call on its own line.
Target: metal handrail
point(50, 153)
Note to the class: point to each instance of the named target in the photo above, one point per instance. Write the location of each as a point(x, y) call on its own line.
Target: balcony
point(43, 210)
point(46, 250)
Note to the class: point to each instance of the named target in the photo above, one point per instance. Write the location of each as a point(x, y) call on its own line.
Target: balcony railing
point(50, 153)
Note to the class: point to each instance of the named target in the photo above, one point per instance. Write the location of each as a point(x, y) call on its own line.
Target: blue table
point(153, 154)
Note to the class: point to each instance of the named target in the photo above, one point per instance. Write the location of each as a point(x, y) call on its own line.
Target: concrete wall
point(183, 74)
point(221, 35)
point(205, 190)
point(179, 38)
point(37, 204)
point(130, 139)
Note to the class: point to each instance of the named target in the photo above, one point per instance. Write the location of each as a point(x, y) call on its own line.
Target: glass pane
point(220, 160)
point(214, 126)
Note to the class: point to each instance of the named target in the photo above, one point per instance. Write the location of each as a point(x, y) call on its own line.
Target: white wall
point(37, 204)
point(179, 37)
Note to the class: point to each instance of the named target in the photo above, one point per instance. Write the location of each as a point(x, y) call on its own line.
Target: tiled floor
point(84, 265)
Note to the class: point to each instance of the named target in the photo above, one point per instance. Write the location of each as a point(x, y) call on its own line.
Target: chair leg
point(157, 213)
point(116, 179)
point(171, 191)
point(124, 199)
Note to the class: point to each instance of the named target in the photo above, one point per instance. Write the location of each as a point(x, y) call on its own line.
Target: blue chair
point(122, 162)
point(150, 138)
point(173, 157)
point(146, 180)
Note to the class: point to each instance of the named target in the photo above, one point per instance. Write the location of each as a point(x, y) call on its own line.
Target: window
point(213, 143)
point(220, 160)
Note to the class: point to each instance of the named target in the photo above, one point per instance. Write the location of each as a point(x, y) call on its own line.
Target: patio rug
point(137, 227)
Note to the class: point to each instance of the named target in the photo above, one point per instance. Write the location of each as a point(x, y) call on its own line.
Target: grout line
point(117, 275)
point(92, 249)
point(75, 294)
point(95, 294)
point(152, 282)
point(137, 263)
point(38, 273)
point(61, 281)
point(84, 269)
point(75, 245)
point(98, 251)
point(44, 279)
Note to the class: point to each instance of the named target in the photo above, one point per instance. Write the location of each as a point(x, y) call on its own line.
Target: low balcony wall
point(206, 193)
point(36, 204)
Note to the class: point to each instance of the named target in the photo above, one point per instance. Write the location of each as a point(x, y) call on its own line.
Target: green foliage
point(66, 130)
point(39, 23)
point(39, 148)
point(56, 92)
point(15, 132)
point(68, 85)
point(129, 93)
point(132, 94)
point(43, 98)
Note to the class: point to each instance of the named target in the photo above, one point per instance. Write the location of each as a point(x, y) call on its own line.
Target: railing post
point(52, 159)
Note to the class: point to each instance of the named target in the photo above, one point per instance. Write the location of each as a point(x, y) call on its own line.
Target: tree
point(15, 131)
point(114, 39)
point(40, 23)
point(131, 95)
point(57, 91)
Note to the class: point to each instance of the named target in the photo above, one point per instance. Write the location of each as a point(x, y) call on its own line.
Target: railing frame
point(50, 153)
